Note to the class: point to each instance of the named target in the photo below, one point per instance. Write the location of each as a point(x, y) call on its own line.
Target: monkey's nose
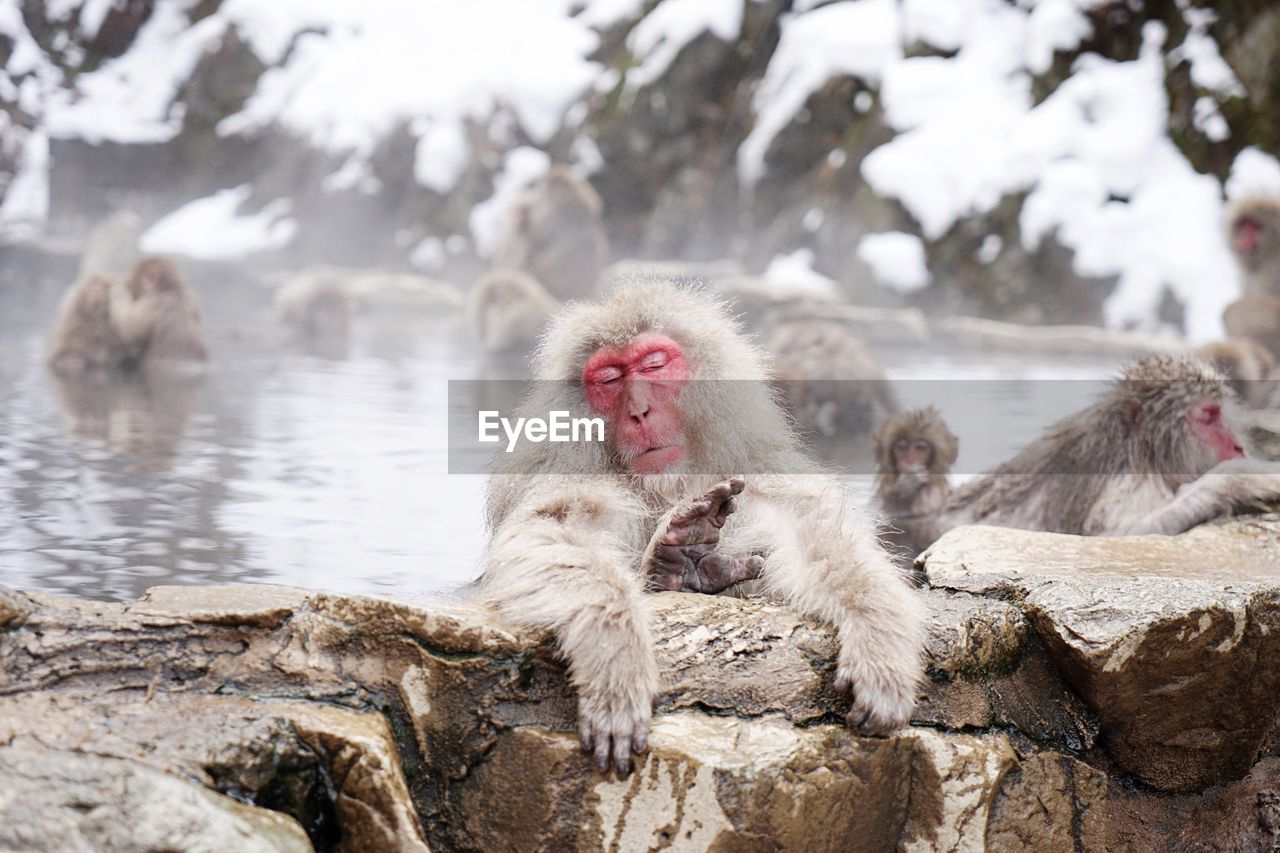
point(637, 402)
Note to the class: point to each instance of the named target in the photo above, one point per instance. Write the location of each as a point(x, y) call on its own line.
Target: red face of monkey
point(637, 390)
point(1246, 234)
point(912, 453)
point(1206, 424)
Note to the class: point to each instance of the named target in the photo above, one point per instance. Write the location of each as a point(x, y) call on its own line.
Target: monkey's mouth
point(655, 460)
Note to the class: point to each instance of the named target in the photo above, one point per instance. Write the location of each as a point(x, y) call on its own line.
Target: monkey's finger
point(721, 491)
point(584, 735)
point(727, 508)
point(602, 752)
point(622, 754)
point(737, 484)
point(844, 681)
point(857, 717)
point(697, 509)
point(640, 740)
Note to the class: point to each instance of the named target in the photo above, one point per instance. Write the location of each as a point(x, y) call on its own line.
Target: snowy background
point(435, 113)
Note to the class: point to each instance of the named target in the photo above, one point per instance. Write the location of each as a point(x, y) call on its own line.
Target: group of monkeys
point(704, 482)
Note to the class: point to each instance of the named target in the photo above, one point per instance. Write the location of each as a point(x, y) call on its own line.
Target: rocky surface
point(1083, 694)
point(53, 799)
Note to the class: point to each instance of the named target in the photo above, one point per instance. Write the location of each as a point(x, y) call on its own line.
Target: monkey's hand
point(909, 482)
point(878, 708)
point(682, 555)
point(613, 721)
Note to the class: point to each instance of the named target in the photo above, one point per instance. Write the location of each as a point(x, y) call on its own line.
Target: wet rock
point(63, 800)
point(13, 606)
point(335, 770)
point(382, 725)
point(1168, 639)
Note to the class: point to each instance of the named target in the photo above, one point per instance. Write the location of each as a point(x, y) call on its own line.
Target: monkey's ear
point(1132, 417)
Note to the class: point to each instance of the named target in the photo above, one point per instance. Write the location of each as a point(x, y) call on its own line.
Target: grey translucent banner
point(993, 418)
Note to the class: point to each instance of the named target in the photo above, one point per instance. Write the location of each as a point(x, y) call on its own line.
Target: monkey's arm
point(827, 562)
point(562, 560)
point(907, 485)
point(1235, 486)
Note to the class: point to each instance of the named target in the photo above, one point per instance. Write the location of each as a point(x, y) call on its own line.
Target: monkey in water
point(833, 384)
point(149, 318)
point(507, 309)
point(1248, 366)
point(555, 233)
point(579, 530)
point(316, 313)
point(1133, 462)
point(1255, 316)
point(914, 454)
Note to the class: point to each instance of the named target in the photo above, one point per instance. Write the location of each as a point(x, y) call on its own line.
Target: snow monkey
point(1248, 366)
point(1253, 233)
point(507, 309)
point(1255, 316)
point(914, 453)
point(316, 311)
point(578, 530)
point(151, 317)
point(1133, 462)
point(833, 384)
point(555, 234)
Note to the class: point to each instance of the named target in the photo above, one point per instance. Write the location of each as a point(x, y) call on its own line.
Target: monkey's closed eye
point(605, 376)
point(654, 361)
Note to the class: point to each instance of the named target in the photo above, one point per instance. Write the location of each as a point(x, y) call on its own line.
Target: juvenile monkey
point(507, 309)
point(834, 386)
point(555, 233)
point(579, 529)
point(914, 453)
point(150, 318)
point(1253, 233)
point(1133, 462)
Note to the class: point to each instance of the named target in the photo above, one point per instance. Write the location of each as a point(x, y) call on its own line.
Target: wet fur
point(911, 506)
point(834, 385)
point(1104, 471)
point(507, 309)
point(151, 318)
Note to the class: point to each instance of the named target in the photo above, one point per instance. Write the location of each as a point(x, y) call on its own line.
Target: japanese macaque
point(579, 530)
point(1248, 366)
point(316, 311)
point(507, 310)
point(149, 318)
point(1133, 462)
point(554, 233)
point(1253, 233)
point(914, 453)
point(833, 384)
point(1255, 316)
